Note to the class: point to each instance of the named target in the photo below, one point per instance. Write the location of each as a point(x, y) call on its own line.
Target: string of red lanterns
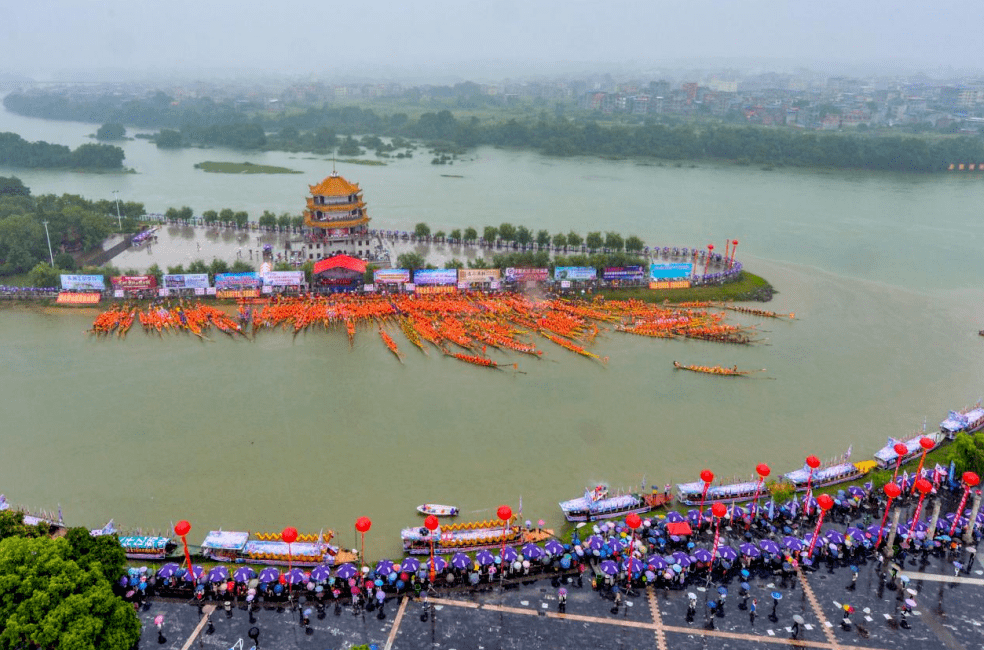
point(970, 480)
point(924, 487)
point(763, 471)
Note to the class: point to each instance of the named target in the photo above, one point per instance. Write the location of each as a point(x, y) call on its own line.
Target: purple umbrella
point(218, 574)
point(681, 558)
point(617, 545)
point(243, 574)
point(509, 554)
point(167, 570)
point(727, 553)
point(410, 565)
point(855, 491)
point(834, 537)
point(196, 570)
point(461, 561)
point(769, 546)
point(594, 543)
point(750, 550)
point(633, 565)
point(608, 567)
point(673, 517)
point(385, 567)
point(874, 529)
point(702, 555)
point(269, 574)
point(553, 547)
point(793, 544)
point(484, 558)
point(320, 573)
point(439, 563)
point(853, 532)
point(531, 551)
point(295, 577)
point(693, 516)
point(346, 571)
point(657, 563)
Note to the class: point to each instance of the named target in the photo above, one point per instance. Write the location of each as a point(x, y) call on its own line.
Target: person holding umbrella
point(797, 621)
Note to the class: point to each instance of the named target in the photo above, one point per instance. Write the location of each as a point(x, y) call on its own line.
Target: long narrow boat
point(714, 370)
point(308, 550)
point(139, 547)
point(437, 510)
point(966, 421)
point(471, 536)
point(597, 503)
point(887, 457)
point(829, 475)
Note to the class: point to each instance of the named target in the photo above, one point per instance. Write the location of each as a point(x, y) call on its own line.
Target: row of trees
point(507, 232)
point(74, 224)
point(15, 151)
point(527, 259)
point(57, 593)
point(316, 129)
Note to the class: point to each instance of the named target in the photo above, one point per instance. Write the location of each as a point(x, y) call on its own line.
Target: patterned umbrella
point(410, 565)
point(345, 571)
point(674, 517)
point(855, 491)
point(617, 544)
point(509, 554)
point(594, 543)
point(633, 565)
point(793, 544)
point(269, 574)
point(750, 550)
point(769, 546)
point(531, 551)
point(167, 570)
point(484, 558)
point(834, 537)
point(385, 567)
point(608, 567)
point(196, 570)
point(439, 563)
point(218, 574)
point(657, 562)
point(702, 555)
point(553, 547)
point(320, 573)
point(727, 553)
point(295, 577)
point(461, 561)
point(243, 574)
point(681, 558)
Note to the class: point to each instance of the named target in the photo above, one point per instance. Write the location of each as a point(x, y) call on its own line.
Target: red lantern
point(431, 523)
point(812, 462)
point(633, 521)
point(970, 480)
point(926, 443)
point(892, 490)
point(289, 534)
point(924, 487)
point(825, 502)
point(504, 513)
point(900, 449)
point(719, 510)
point(182, 528)
point(707, 476)
point(363, 524)
point(762, 470)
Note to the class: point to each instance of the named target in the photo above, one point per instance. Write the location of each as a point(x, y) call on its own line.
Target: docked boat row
point(597, 503)
point(269, 548)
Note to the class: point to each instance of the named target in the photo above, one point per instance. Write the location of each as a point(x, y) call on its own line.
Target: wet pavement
point(949, 613)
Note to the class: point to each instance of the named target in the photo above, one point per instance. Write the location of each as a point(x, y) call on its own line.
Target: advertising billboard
point(391, 276)
point(435, 276)
point(669, 271)
point(526, 275)
point(283, 278)
point(186, 281)
point(225, 281)
point(471, 276)
point(133, 282)
point(83, 282)
point(624, 273)
point(575, 273)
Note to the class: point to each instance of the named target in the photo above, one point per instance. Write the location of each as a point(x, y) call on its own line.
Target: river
point(882, 270)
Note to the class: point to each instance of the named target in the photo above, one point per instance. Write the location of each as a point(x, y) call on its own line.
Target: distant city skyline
point(440, 41)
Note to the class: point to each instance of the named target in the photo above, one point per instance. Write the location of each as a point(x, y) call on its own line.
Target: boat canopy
point(225, 540)
point(413, 534)
point(144, 543)
point(297, 549)
point(718, 491)
point(957, 422)
point(820, 475)
point(886, 455)
point(584, 504)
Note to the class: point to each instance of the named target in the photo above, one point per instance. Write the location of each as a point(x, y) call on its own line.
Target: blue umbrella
point(269, 574)
point(344, 572)
point(531, 551)
point(218, 574)
point(722, 590)
point(168, 570)
point(728, 553)
point(608, 567)
point(461, 561)
point(553, 547)
point(320, 573)
point(295, 577)
point(484, 558)
point(509, 554)
point(702, 555)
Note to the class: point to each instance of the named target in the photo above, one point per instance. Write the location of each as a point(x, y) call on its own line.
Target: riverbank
point(748, 288)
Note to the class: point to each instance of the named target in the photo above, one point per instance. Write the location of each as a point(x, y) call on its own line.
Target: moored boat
point(597, 503)
point(965, 421)
point(470, 536)
point(309, 550)
point(437, 510)
point(830, 475)
point(714, 370)
point(887, 457)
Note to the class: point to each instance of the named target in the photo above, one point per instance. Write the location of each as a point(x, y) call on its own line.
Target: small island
point(242, 168)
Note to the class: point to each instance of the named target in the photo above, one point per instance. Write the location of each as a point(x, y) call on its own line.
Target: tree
point(210, 216)
point(53, 602)
point(42, 275)
point(267, 219)
point(593, 240)
point(524, 235)
point(507, 232)
point(227, 216)
point(241, 218)
point(111, 132)
point(412, 261)
point(65, 262)
point(454, 263)
point(440, 235)
point(967, 454)
point(422, 230)
point(490, 233)
point(186, 214)
point(614, 241)
point(12, 186)
point(104, 549)
point(94, 229)
point(455, 234)
point(12, 525)
point(283, 221)
point(168, 139)
point(155, 271)
point(574, 239)
point(297, 221)
point(239, 266)
point(217, 266)
point(470, 234)
point(633, 244)
point(560, 240)
point(543, 237)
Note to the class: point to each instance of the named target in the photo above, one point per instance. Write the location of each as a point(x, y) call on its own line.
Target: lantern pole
point(734, 247)
point(708, 477)
point(182, 528)
point(431, 524)
point(900, 450)
point(892, 490)
point(970, 479)
point(924, 488)
point(727, 243)
point(812, 462)
point(505, 514)
point(926, 443)
point(824, 503)
point(707, 260)
point(762, 470)
point(718, 510)
point(633, 521)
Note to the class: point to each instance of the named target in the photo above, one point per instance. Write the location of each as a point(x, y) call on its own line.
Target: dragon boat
point(597, 503)
point(268, 548)
point(470, 536)
point(714, 370)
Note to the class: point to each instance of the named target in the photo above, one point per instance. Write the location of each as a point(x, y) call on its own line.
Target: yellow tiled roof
point(351, 223)
point(334, 185)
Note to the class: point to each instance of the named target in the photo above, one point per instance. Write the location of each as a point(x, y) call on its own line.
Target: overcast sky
point(448, 37)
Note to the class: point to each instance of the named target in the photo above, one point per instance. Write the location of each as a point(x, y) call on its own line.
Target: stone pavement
point(949, 614)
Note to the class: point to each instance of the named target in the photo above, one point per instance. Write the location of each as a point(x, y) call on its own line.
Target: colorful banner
point(83, 282)
point(670, 271)
point(624, 273)
point(134, 282)
point(526, 275)
point(237, 281)
point(435, 276)
point(186, 281)
point(391, 276)
point(73, 298)
point(237, 294)
point(575, 273)
point(471, 276)
point(283, 278)
point(670, 284)
point(435, 289)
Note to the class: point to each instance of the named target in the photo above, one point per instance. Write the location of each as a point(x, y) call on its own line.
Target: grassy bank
point(242, 168)
point(748, 287)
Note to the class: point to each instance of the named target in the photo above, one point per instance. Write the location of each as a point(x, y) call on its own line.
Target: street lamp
point(119, 217)
point(48, 237)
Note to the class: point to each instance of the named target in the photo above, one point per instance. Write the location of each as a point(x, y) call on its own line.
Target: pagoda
point(335, 209)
